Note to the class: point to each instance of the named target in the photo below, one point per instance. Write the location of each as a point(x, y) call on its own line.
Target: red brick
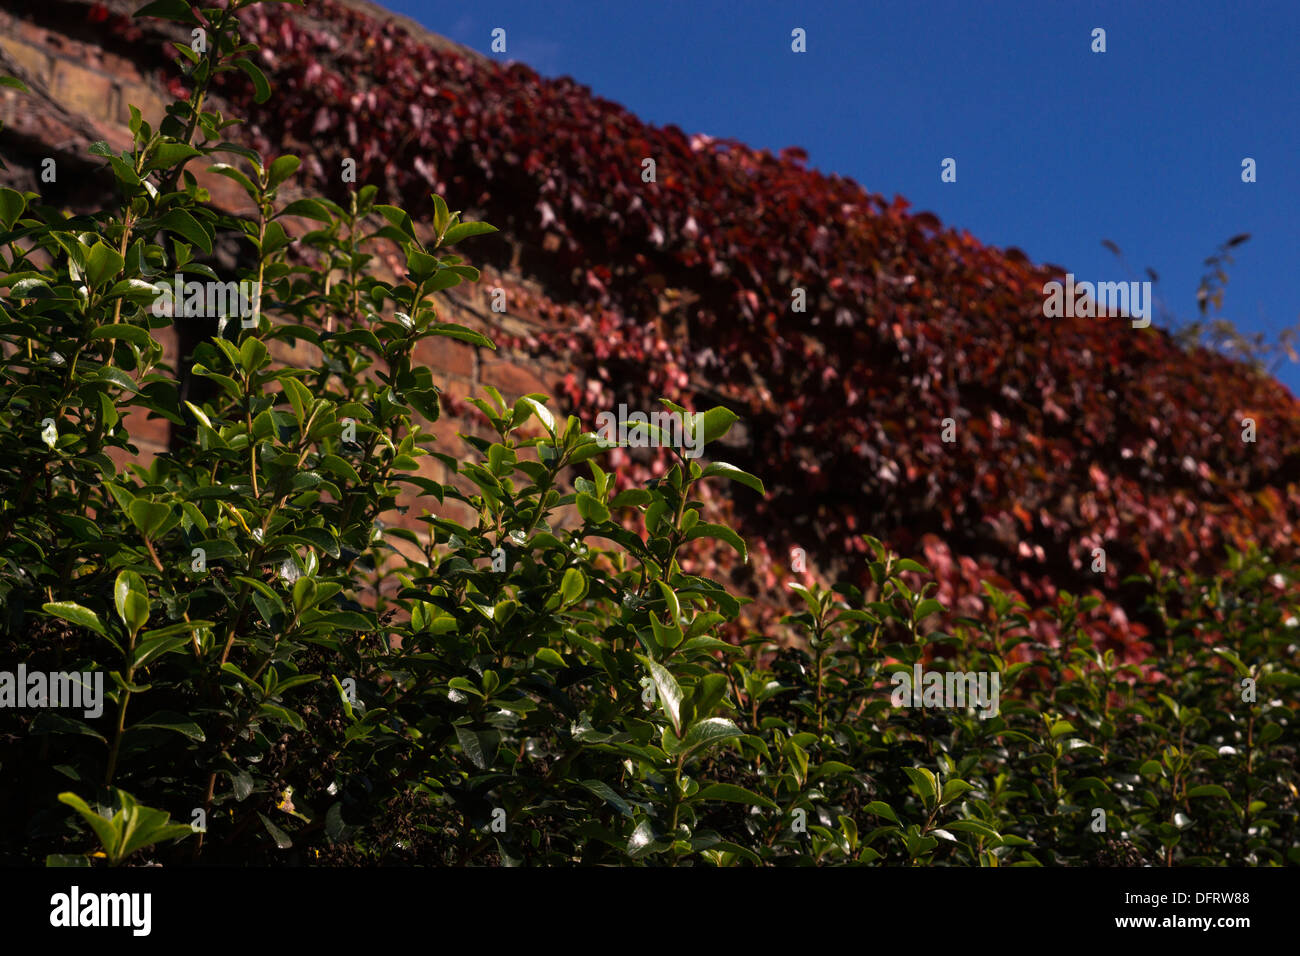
point(451, 358)
point(511, 380)
point(85, 91)
point(225, 193)
point(153, 431)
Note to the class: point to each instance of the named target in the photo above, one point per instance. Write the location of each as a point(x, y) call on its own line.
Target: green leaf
point(229, 668)
point(880, 809)
point(461, 334)
point(952, 789)
point(1090, 784)
point(926, 608)
point(735, 474)
point(501, 460)
point(398, 217)
point(275, 239)
point(281, 838)
point(978, 827)
point(722, 533)
point(249, 154)
point(153, 828)
point(103, 827)
point(480, 746)
point(592, 508)
point(541, 411)
point(441, 215)
point(119, 378)
point(32, 289)
point(630, 498)
point(176, 723)
point(733, 794)
point(132, 600)
point(125, 173)
point(103, 264)
point(1061, 727)
point(669, 692)
point(12, 205)
point(153, 645)
point(167, 155)
point(148, 515)
point(549, 656)
point(573, 587)
point(14, 83)
point(252, 355)
point(1237, 663)
point(187, 227)
point(136, 291)
point(421, 266)
point(587, 448)
point(464, 230)
point(642, 842)
point(307, 208)
point(281, 169)
point(262, 89)
point(671, 601)
point(304, 593)
point(134, 334)
point(340, 468)
point(705, 733)
point(52, 722)
point(809, 599)
point(83, 616)
point(667, 636)
point(924, 784)
point(262, 588)
point(1209, 790)
point(608, 794)
point(282, 715)
point(831, 768)
point(231, 172)
point(717, 421)
point(299, 396)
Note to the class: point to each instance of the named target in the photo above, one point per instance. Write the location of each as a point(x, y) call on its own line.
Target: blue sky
point(1057, 147)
